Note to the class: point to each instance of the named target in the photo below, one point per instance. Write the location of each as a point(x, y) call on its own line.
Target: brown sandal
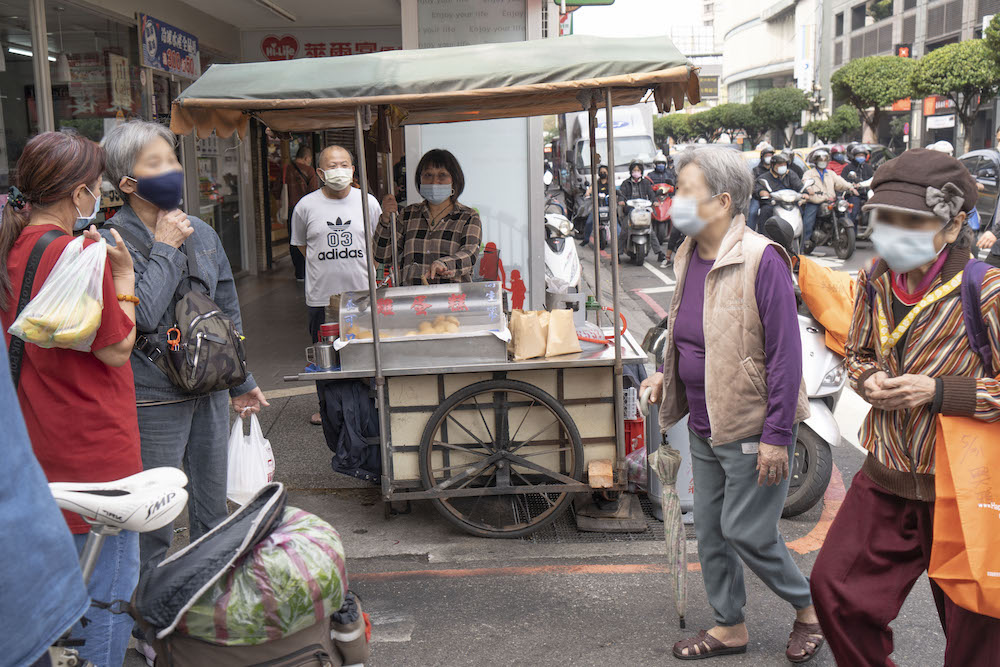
point(803, 634)
point(707, 647)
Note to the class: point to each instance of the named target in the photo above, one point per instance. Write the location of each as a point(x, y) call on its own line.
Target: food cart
point(500, 447)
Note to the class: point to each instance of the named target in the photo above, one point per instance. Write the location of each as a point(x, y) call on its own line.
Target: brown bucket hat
point(924, 181)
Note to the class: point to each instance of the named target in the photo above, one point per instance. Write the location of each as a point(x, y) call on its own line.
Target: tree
point(674, 125)
point(779, 108)
point(844, 120)
point(993, 38)
point(869, 84)
point(705, 123)
point(965, 73)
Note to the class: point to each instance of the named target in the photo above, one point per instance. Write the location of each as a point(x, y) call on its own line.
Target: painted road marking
point(651, 303)
point(667, 280)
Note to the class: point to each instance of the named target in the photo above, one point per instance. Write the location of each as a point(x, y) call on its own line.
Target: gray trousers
point(193, 435)
point(735, 519)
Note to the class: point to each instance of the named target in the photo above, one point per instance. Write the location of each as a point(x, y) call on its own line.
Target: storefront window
point(280, 154)
point(18, 120)
point(219, 193)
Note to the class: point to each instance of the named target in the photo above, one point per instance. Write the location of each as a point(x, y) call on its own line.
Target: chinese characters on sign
point(168, 49)
point(121, 84)
point(456, 303)
point(385, 307)
point(420, 305)
point(321, 43)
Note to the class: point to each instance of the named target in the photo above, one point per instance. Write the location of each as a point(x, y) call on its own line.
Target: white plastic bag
point(67, 310)
point(251, 461)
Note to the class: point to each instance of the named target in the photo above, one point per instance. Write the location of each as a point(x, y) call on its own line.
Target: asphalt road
point(440, 597)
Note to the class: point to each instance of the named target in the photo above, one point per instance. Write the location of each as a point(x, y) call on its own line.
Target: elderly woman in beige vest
point(733, 365)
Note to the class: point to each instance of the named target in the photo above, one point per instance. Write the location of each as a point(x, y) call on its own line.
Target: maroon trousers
point(877, 548)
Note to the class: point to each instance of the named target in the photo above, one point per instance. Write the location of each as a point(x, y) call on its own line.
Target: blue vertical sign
point(164, 47)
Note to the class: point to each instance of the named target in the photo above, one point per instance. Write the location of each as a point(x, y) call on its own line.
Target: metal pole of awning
point(592, 122)
point(619, 391)
point(385, 126)
point(359, 139)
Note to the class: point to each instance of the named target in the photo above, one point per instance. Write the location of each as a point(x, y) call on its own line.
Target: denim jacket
point(156, 282)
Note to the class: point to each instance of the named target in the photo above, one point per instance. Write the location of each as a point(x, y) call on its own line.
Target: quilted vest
point(735, 376)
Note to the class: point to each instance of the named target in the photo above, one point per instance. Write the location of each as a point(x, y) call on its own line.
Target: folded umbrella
point(665, 462)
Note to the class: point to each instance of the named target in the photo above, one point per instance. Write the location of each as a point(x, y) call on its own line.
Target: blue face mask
point(661, 168)
point(84, 221)
point(903, 249)
point(860, 159)
point(435, 193)
point(164, 191)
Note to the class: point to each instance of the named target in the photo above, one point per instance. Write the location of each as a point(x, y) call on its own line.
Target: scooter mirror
point(808, 183)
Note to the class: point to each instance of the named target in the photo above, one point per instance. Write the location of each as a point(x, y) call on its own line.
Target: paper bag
point(562, 334)
point(527, 331)
point(965, 554)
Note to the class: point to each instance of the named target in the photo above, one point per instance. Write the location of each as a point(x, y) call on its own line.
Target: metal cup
point(322, 355)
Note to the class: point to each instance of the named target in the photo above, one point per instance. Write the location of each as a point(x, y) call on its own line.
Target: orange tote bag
point(829, 295)
point(965, 555)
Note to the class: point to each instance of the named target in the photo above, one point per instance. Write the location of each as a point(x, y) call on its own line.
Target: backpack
point(205, 351)
point(971, 293)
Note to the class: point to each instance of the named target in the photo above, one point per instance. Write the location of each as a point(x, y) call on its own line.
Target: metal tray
point(425, 351)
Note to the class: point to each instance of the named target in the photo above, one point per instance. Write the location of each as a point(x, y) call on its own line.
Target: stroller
point(268, 586)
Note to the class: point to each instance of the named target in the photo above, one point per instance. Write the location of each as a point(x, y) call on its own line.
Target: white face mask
point(903, 249)
point(767, 159)
point(684, 214)
point(339, 178)
point(782, 170)
point(83, 221)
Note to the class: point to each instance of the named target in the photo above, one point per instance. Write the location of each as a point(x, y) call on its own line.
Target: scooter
point(786, 207)
point(834, 228)
point(825, 375)
point(639, 227)
point(661, 210)
point(864, 189)
point(562, 264)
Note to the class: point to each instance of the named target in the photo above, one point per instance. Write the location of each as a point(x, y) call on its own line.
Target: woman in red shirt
point(79, 407)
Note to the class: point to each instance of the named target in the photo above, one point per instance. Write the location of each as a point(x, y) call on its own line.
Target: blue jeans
point(752, 215)
point(588, 227)
point(115, 577)
point(193, 435)
point(809, 212)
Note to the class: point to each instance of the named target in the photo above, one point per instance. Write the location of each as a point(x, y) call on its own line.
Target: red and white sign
point(259, 45)
point(285, 47)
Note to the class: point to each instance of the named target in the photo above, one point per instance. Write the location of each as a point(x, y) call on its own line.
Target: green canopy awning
point(477, 82)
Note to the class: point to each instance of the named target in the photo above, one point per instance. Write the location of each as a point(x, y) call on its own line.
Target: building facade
point(853, 29)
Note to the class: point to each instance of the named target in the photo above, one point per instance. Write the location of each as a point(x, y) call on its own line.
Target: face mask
point(782, 170)
point(821, 165)
point(84, 221)
point(164, 191)
point(636, 176)
point(904, 249)
point(684, 213)
point(861, 159)
point(767, 160)
point(661, 168)
point(338, 179)
point(604, 177)
point(840, 157)
point(435, 193)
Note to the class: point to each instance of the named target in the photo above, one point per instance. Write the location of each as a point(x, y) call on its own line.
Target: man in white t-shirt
point(328, 228)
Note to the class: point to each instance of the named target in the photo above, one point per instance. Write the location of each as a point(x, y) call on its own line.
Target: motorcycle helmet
point(660, 162)
point(821, 155)
point(766, 153)
point(839, 153)
point(944, 147)
point(780, 158)
point(859, 149)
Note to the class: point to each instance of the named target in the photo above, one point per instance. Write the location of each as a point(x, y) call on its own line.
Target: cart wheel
point(496, 435)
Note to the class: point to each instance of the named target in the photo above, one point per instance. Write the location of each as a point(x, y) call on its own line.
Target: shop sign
point(709, 86)
point(565, 24)
point(941, 122)
point(121, 82)
point(168, 49)
point(261, 45)
point(902, 105)
point(936, 104)
point(904, 50)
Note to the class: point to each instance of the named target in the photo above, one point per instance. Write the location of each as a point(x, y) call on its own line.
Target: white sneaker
point(143, 648)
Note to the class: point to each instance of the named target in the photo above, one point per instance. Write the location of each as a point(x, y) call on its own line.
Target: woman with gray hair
point(175, 428)
point(733, 364)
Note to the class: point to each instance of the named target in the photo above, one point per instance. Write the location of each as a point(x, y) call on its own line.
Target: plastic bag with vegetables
point(67, 310)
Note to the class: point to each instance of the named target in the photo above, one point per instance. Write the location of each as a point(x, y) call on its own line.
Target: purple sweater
point(782, 345)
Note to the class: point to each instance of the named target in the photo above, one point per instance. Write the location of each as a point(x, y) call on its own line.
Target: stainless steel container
point(322, 355)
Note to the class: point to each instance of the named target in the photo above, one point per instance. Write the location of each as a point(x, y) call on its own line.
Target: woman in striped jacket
point(909, 356)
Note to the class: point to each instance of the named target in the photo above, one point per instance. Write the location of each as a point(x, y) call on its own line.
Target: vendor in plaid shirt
point(438, 238)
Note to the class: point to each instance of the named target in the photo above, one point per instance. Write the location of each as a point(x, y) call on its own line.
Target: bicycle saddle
point(140, 503)
point(165, 476)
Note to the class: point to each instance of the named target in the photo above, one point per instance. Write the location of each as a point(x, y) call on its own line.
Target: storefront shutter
point(910, 29)
point(987, 7)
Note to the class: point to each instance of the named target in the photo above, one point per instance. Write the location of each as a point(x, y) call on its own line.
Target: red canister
point(329, 332)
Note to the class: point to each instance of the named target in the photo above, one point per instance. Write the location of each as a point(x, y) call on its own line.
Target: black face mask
point(603, 176)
